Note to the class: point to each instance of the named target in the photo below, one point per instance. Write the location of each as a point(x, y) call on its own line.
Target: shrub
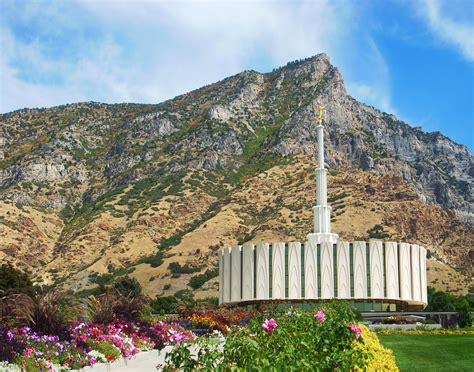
point(383, 359)
point(299, 341)
point(154, 260)
point(164, 304)
point(11, 278)
point(128, 287)
point(377, 232)
point(209, 357)
point(176, 269)
point(324, 340)
point(198, 280)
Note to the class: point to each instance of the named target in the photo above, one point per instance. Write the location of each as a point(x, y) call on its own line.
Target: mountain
point(90, 192)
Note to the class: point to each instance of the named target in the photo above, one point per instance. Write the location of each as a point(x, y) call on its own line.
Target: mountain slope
point(92, 191)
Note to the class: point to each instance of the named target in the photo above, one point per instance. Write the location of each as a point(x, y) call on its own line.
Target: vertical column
point(247, 272)
point(424, 289)
point(294, 270)
point(227, 275)
point(376, 269)
point(310, 270)
point(263, 273)
point(327, 274)
point(236, 280)
point(405, 271)
point(278, 266)
point(391, 270)
point(221, 275)
point(415, 272)
point(360, 270)
point(343, 274)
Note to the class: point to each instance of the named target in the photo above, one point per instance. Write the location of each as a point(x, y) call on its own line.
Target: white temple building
point(372, 276)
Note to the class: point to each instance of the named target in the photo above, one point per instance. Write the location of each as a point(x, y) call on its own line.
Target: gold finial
point(320, 115)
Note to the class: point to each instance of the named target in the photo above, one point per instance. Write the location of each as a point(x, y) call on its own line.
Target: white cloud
point(152, 51)
point(460, 34)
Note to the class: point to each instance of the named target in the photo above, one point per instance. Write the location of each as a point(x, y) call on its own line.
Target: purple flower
point(269, 325)
point(320, 316)
point(10, 335)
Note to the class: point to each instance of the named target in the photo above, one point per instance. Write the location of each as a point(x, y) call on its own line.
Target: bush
point(154, 260)
point(176, 269)
point(198, 280)
point(300, 341)
point(383, 359)
point(11, 278)
point(128, 287)
point(164, 304)
point(377, 232)
point(326, 339)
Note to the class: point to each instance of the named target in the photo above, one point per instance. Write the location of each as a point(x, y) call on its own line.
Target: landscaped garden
point(48, 329)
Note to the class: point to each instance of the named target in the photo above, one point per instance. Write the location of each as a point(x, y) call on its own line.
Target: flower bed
point(405, 327)
point(322, 339)
point(86, 344)
point(325, 338)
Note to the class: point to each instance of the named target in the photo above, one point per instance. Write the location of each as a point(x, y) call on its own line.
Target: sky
point(413, 59)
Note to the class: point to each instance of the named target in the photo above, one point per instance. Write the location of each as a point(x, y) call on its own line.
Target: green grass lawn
point(431, 352)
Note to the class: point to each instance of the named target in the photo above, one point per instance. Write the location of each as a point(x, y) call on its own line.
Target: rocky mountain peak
point(107, 186)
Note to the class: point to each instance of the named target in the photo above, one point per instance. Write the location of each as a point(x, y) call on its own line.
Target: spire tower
point(321, 211)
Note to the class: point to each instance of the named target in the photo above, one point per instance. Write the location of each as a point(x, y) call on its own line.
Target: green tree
point(11, 278)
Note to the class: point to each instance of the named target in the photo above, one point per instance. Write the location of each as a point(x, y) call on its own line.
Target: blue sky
point(414, 59)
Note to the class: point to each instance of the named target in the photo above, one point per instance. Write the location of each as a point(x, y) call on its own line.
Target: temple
point(371, 275)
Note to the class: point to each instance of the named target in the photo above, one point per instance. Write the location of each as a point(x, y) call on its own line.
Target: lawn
point(431, 352)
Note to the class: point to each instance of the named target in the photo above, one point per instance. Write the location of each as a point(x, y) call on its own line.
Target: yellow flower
point(383, 358)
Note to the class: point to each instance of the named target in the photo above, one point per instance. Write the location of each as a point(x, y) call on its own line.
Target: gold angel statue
point(320, 115)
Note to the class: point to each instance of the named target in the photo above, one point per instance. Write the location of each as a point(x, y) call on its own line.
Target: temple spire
point(321, 211)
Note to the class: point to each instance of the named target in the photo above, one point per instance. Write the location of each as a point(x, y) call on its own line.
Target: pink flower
point(355, 329)
point(320, 316)
point(269, 325)
point(28, 351)
point(178, 337)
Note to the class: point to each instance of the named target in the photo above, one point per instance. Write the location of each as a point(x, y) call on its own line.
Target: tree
point(465, 318)
point(11, 278)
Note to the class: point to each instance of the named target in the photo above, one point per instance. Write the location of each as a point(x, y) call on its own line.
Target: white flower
point(97, 355)
point(216, 334)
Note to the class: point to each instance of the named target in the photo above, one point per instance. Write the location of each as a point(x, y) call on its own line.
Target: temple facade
point(373, 275)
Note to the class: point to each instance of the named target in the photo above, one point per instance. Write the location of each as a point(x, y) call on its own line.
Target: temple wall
point(278, 279)
point(358, 270)
point(343, 270)
point(263, 271)
point(248, 264)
